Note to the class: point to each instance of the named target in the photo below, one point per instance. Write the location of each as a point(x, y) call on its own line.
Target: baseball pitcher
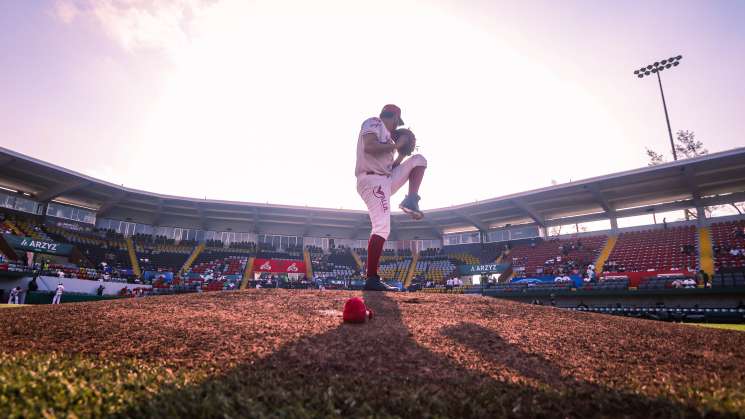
point(381, 171)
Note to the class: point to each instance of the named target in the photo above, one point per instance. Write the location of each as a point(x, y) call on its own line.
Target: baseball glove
point(404, 134)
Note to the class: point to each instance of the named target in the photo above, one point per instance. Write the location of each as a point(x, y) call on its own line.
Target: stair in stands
point(706, 252)
point(133, 257)
point(506, 276)
point(603, 257)
point(412, 270)
point(7, 250)
point(308, 265)
point(357, 259)
point(190, 260)
point(248, 272)
point(502, 255)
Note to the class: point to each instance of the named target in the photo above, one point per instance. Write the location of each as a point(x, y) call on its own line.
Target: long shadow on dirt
point(377, 369)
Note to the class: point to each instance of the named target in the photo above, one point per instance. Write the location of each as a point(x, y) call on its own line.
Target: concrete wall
point(83, 286)
point(703, 298)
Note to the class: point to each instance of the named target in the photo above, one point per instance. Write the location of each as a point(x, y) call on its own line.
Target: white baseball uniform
point(13, 296)
point(58, 294)
point(377, 179)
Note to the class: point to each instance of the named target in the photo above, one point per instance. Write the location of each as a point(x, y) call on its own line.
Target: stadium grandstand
point(510, 246)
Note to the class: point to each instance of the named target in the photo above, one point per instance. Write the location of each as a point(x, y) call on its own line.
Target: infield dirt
point(287, 353)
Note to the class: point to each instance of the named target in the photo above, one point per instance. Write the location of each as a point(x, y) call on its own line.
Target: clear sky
point(262, 101)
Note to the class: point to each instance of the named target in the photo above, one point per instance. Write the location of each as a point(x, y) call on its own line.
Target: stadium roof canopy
point(713, 179)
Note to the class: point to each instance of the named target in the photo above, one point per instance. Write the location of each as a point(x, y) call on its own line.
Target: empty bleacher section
point(161, 254)
point(669, 249)
point(394, 270)
point(30, 229)
point(267, 251)
point(236, 247)
point(97, 246)
point(434, 267)
point(338, 263)
point(555, 256)
point(475, 253)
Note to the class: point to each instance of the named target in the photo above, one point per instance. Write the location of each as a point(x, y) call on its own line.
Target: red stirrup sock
point(415, 179)
point(374, 250)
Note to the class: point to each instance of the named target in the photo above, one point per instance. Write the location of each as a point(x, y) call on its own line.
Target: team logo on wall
point(292, 268)
point(266, 266)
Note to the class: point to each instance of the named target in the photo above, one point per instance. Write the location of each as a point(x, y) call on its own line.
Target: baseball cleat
point(374, 283)
point(410, 205)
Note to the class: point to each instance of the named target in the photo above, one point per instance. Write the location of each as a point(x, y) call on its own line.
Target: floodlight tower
point(656, 68)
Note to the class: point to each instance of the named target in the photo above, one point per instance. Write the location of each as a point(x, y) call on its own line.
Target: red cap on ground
point(395, 110)
point(355, 311)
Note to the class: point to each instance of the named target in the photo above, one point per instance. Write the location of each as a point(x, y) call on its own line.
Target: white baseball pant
point(56, 299)
point(376, 191)
point(13, 299)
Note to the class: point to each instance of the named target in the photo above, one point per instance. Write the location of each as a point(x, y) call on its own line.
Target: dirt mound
point(268, 352)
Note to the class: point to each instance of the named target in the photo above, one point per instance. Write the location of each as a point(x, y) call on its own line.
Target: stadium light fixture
point(657, 68)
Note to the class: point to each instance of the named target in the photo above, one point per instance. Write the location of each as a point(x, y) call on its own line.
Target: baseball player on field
point(380, 175)
point(14, 295)
point(58, 294)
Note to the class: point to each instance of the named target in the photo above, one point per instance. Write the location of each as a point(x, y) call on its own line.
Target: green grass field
point(738, 327)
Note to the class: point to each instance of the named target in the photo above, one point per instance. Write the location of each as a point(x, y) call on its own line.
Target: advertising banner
point(490, 268)
point(279, 266)
point(28, 244)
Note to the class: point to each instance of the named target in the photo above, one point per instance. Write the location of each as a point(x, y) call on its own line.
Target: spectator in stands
point(739, 233)
point(590, 272)
point(702, 278)
point(688, 249)
point(664, 223)
point(689, 283)
point(717, 249)
point(566, 278)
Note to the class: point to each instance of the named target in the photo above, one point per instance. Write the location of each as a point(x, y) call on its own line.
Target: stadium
point(523, 236)
point(216, 307)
